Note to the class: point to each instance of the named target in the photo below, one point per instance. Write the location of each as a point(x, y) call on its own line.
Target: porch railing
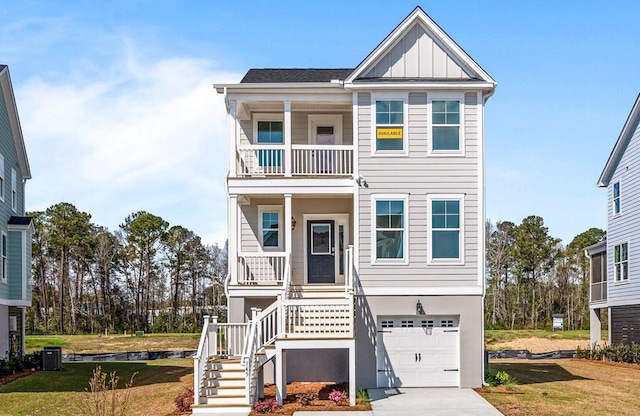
point(598, 291)
point(306, 160)
point(262, 268)
point(311, 318)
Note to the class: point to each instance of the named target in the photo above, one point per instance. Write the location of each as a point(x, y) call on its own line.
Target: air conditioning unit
point(52, 358)
point(13, 323)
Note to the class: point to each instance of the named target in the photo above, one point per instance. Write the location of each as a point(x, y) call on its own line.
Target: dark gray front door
point(321, 251)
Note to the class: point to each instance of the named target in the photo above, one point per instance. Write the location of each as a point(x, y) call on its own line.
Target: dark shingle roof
point(294, 75)
point(2, 67)
point(19, 220)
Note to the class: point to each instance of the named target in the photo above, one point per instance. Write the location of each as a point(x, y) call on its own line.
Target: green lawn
point(58, 392)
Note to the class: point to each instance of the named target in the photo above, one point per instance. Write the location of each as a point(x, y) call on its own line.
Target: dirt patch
point(540, 345)
point(322, 404)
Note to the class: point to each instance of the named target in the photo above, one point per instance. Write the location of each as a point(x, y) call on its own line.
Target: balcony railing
point(262, 268)
point(306, 160)
point(599, 291)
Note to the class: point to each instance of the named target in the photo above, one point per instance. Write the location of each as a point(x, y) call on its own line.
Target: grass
point(568, 387)
point(55, 392)
point(113, 343)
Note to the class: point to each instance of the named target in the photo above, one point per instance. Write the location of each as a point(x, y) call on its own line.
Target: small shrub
point(338, 396)
point(362, 396)
point(306, 399)
point(500, 378)
point(102, 398)
point(184, 400)
point(266, 406)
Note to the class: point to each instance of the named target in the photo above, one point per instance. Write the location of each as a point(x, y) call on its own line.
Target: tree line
point(145, 276)
point(531, 276)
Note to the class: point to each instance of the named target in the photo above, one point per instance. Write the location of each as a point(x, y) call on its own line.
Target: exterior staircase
point(223, 388)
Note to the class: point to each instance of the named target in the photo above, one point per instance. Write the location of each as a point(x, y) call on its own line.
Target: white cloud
point(139, 135)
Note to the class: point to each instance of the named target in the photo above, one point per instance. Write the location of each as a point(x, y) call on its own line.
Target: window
point(445, 118)
point(1, 178)
point(446, 228)
point(390, 126)
point(270, 227)
point(390, 233)
point(621, 262)
point(14, 190)
point(4, 257)
point(616, 198)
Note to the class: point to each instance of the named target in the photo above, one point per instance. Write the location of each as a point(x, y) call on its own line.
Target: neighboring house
point(615, 270)
point(15, 228)
point(356, 224)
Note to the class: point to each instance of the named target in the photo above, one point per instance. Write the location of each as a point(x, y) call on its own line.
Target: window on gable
point(270, 227)
point(14, 190)
point(621, 262)
point(1, 178)
point(445, 125)
point(390, 232)
point(389, 125)
point(446, 228)
point(4, 257)
point(616, 198)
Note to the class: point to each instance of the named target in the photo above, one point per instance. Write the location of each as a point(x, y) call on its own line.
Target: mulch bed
point(322, 404)
point(610, 363)
point(8, 379)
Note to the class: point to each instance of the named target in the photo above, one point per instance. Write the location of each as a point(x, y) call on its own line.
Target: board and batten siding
point(418, 175)
point(417, 55)
point(625, 227)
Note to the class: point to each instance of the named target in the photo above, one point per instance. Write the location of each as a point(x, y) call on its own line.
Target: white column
point(281, 374)
point(595, 327)
point(352, 373)
point(233, 226)
point(232, 138)
point(287, 138)
point(288, 214)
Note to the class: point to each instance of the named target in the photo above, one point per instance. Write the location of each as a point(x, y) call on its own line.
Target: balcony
point(301, 161)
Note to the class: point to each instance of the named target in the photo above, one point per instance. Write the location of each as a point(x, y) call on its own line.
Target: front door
point(321, 251)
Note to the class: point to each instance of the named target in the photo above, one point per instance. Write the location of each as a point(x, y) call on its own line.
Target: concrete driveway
point(421, 402)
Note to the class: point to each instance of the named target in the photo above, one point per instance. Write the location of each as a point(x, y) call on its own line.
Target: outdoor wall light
point(293, 223)
point(419, 308)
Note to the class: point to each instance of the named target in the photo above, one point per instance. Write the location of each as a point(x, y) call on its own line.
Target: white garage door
point(418, 351)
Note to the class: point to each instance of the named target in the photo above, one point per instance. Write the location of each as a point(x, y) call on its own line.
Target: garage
point(418, 351)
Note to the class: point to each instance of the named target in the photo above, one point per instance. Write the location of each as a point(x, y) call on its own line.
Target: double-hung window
point(390, 228)
point(1, 178)
point(270, 218)
point(4, 257)
point(621, 262)
point(616, 198)
point(446, 125)
point(14, 190)
point(446, 228)
point(390, 125)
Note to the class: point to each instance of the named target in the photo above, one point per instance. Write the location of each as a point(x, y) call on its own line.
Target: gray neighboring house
point(15, 229)
point(615, 271)
point(356, 224)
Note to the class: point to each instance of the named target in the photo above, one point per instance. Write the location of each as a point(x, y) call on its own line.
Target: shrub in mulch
point(184, 400)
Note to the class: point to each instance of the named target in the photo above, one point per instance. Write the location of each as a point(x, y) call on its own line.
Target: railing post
point(213, 329)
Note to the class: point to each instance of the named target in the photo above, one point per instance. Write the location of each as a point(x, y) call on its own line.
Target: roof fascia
point(432, 27)
point(621, 144)
point(14, 122)
point(432, 85)
point(337, 86)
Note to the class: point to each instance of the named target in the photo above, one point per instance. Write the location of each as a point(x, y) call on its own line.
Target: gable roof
point(624, 138)
point(418, 17)
point(274, 75)
point(14, 121)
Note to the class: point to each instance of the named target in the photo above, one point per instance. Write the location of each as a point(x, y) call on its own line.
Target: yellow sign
point(389, 133)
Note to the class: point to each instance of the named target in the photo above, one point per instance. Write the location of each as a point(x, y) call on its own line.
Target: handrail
point(199, 361)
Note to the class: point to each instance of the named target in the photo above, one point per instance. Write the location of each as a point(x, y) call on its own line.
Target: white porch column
point(233, 138)
point(352, 373)
point(287, 138)
point(281, 374)
point(233, 226)
point(595, 327)
point(287, 223)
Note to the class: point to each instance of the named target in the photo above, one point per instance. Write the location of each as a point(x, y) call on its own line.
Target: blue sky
point(119, 114)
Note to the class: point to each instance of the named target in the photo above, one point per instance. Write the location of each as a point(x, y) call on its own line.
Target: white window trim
point(2, 184)
point(265, 117)
point(613, 257)
point(445, 197)
point(445, 96)
point(14, 190)
point(279, 210)
point(405, 241)
point(325, 120)
point(380, 96)
point(613, 204)
point(4, 266)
